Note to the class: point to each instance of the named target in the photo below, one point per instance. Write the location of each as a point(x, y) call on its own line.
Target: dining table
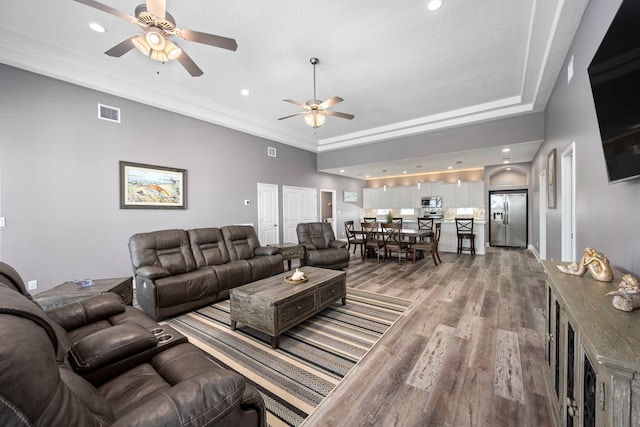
point(412, 234)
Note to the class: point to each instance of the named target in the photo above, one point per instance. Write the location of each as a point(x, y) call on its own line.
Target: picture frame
point(350, 197)
point(145, 186)
point(551, 179)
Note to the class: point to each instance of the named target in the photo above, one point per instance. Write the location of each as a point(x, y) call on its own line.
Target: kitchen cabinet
point(477, 197)
point(372, 198)
point(448, 195)
point(592, 369)
point(462, 196)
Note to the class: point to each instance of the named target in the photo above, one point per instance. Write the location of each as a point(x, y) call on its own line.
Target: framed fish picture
point(152, 187)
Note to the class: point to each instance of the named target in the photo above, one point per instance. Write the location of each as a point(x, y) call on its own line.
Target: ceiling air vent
point(271, 151)
point(111, 114)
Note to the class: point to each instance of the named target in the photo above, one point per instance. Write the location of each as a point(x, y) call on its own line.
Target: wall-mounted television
point(614, 73)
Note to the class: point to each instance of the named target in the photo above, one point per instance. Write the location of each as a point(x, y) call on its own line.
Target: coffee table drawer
point(291, 312)
point(331, 292)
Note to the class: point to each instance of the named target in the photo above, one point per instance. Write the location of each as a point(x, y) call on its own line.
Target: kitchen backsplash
point(447, 213)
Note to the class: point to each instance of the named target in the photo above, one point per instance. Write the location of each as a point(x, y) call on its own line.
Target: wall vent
point(106, 112)
point(271, 151)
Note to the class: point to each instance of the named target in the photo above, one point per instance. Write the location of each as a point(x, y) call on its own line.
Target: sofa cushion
point(183, 288)
point(318, 234)
point(208, 246)
point(241, 241)
point(169, 249)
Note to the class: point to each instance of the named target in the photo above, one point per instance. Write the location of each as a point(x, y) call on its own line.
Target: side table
point(70, 292)
point(290, 251)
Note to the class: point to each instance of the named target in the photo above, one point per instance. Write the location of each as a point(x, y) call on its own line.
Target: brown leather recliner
point(177, 386)
point(321, 249)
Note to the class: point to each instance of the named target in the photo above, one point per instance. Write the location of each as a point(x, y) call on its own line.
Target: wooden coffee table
point(272, 306)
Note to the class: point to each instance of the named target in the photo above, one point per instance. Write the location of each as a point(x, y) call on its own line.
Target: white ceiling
point(401, 69)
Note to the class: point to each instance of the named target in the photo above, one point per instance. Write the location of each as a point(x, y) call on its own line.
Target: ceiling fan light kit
point(158, 25)
point(316, 111)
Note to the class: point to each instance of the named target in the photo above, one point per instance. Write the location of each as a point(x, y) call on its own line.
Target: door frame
point(542, 213)
point(568, 205)
point(334, 210)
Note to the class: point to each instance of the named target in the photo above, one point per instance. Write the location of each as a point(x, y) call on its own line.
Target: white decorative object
point(627, 297)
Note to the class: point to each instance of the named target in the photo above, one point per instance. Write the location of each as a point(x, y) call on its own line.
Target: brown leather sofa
point(119, 375)
point(178, 270)
point(321, 249)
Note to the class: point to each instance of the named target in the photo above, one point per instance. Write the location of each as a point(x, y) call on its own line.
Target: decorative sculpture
point(627, 297)
point(594, 262)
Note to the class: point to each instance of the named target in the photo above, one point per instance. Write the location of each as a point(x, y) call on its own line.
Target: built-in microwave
point(432, 202)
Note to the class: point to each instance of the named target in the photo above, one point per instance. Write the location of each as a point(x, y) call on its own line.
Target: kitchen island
point(449, 237)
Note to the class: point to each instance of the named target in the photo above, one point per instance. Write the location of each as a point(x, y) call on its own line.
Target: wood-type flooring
point(468, 352)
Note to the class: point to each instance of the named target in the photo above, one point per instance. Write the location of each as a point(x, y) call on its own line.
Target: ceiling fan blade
point(108, 9)
point(293, 115)
point(329, 102)
point(186, 61)
point(122, 47)
point(299, 104)
point(210, 39)
point(338, 114)
point(157, 8)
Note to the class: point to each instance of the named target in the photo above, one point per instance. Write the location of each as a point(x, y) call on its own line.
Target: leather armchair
point(177, 386)
point(321, 249)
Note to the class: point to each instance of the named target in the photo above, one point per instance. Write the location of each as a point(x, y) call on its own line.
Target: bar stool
point(464, 229)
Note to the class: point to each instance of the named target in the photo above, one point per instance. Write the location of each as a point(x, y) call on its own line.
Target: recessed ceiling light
point(404, 171)
point(505, 161)
point(433, 5)
point(450, 167)
point(508, 169)
point(506, 150)
point(367, 176)
point(245, 92)
point(341, 170)
point(97, 27)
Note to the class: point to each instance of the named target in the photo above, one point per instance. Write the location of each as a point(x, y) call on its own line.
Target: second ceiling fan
point(158, 26)
point(315, 110)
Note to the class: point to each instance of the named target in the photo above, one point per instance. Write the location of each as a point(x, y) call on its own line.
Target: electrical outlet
point(32, 285)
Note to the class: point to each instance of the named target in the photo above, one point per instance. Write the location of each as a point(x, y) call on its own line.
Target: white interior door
point(568, 238)
point(268, 214)
point(333, 210)
point(299, 205)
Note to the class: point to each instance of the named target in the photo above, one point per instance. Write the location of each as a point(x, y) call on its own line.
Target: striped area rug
point(312, 358)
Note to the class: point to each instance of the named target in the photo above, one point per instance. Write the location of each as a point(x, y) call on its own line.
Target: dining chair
point(397, 221)
point(393, 242)
point(464, 230)
point(352, 238)
point(372, 242)
point(428, 246)
point(426, 224)
point(370, 219)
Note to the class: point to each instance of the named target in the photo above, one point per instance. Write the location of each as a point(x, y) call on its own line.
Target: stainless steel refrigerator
point(508, 218)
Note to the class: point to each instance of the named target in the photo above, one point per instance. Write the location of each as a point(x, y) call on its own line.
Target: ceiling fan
point(159, 26)
point(315, 110)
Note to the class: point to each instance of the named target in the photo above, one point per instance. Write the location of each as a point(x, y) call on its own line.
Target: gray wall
point(606, 215)
point(59, 177)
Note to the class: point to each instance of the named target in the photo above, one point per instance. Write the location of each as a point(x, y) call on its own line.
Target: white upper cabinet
point(448, 193)
point(371, 198)
point(476, 194)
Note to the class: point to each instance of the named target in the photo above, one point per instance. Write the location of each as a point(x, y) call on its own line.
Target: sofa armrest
point(89, 310)
point(204, 399)
point(266, 250)
point(152, 272)
point(109, 346)
point(337, 244)
point(309, 246)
